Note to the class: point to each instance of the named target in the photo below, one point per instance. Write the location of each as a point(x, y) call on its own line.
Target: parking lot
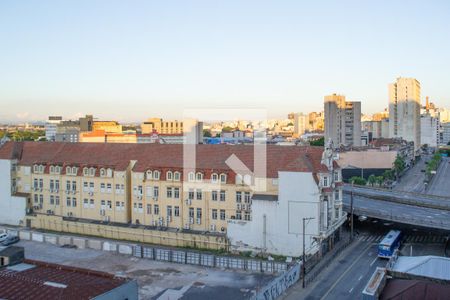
point(156, 280)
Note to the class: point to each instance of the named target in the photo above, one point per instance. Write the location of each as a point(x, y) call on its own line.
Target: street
point(345, 277)
point(440, 184)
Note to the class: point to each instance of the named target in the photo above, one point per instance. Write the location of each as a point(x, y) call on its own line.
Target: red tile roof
point(79, 283)
point(162, 156)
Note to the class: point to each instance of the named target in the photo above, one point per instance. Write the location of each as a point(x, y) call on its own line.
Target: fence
point(173, 255)
point(279, 285)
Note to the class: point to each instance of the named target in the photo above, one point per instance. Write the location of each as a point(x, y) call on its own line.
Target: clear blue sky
point(129, 60)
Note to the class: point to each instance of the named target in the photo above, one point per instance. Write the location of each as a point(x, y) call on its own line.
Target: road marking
point(351, 290)
point(373, 261)
point(360, 277)
point(345, 273)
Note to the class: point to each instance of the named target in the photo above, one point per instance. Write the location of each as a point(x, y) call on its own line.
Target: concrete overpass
point(407, 208)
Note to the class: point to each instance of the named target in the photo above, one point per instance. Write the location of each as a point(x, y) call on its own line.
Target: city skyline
point(127, 62)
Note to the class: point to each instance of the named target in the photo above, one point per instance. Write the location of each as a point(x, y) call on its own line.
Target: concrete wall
point(12, 208)
point(298, 198)
point(159, 237)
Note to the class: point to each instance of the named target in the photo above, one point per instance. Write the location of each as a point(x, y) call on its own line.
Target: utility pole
point(304, 250)
point(351, 214)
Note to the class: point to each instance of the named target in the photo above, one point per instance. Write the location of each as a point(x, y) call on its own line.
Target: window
point(41, 183)
point(140, 190)
point(92, 171)
point(85, 186)
point(52, 200)
point(199, 213)
point(102, 172)
point(117, 188)
point(149, 175)
point(109, 188)
point(85, 171)
point(85, 203)
point(191, 194)
point(247, 197)
point(57, 200)
point(169, 210)
point(41, 199)
point(52, 185)
point(35, 184)
point(57, 185)
point(222, 214)
point(177, 211)
point(191, 212)
point(336, 176)
point(214, 214)
point(176, 176)
point(74, 185)
point(156, 175)
point(52, 169)
point(223, 178)
point(91, 203)
point(36, 200)
point(214, 195)
point(336, 195)
point(149, 209)
point(222, 195)
point(74, 202)
point(103, 203)
point(191, 177)
point(102, 187)
point(91, 186)
point(238, 215)
point(68, 185)
point(214, 178)
point(109, 204)
point(199, 194)
point(169, 175)
point(68, 202)
point(247, 216)
point(238, 179)
point(169, 192)
point(74, 171)
point(199, 177)
point(325, 181)
point(176, 193)
point(156, 192)
point(68, 170)
point(238, 197)
point(156, 209)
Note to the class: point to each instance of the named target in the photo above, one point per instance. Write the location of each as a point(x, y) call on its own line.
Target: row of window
point(104, 172)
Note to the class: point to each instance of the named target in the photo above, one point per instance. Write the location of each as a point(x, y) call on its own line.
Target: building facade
point(51, 127)
point(146, 184)
point(430, 131)
point(301, 122)
point(342, 121)
point(404, 110)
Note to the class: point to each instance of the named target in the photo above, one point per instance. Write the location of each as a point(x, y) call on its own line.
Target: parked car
point(10, 240)
point(3, 236)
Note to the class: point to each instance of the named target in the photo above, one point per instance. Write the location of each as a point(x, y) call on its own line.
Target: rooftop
point(424, 266)
point(39, 280)
point(160, 156)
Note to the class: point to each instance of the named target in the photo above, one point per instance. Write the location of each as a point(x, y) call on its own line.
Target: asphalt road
point(408, 214)
point(345, 277)
point(440, 184)
point(413, 179)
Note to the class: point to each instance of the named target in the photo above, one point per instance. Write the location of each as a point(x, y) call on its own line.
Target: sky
point(131, 60)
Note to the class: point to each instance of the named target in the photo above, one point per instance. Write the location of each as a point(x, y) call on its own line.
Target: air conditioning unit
point(199, 221)
point(139, 197)
point(91, 193)
point(191, 220)
point(213, 227)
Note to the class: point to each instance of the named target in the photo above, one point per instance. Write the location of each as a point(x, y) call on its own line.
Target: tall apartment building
point(157, 125)
point(404, 110)
point(141, 185)
point(342, 121)
point(430, 130)
point(300, 124)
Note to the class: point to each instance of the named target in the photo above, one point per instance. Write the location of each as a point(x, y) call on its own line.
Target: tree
point(319, 142)
point(388, 174)
point(379, 180)
point(357, 180)
point(372, 180)
point(399, 165)
point(206, 133)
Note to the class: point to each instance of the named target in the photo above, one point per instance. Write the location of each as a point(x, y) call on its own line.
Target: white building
point(446, 133)
point(51, 126)
point(342, 121)
point(429, 131)
point(276, 226)
point(404, 110)
point(300, 124)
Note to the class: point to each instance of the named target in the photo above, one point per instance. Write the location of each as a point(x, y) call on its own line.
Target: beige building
point(300, 124)
point(404, 110)
point(107, 126)
point(145, 184)
point(157, 125)
point(342, 121)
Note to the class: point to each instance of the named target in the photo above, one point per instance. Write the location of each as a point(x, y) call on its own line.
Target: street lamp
point(304, 254)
